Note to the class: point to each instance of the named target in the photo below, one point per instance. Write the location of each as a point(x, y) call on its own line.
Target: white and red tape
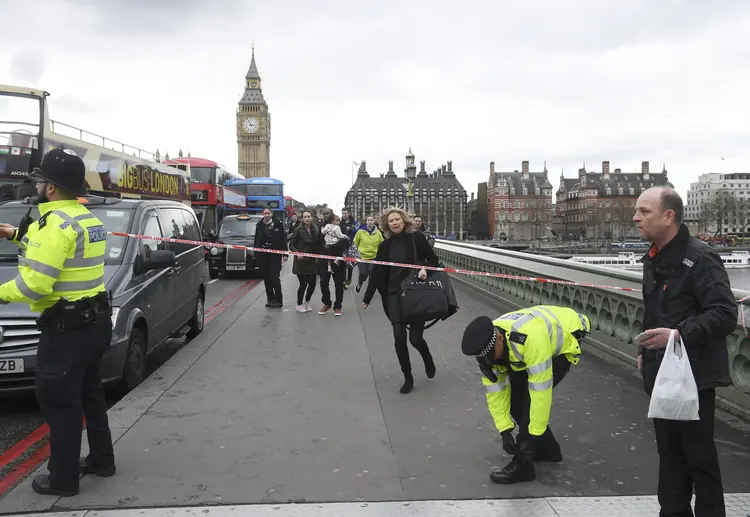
point(378, 262)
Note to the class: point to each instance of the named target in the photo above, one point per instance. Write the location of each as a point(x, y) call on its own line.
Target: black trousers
point(306, 282)
point(68, 387)
point(339, 274)
point(416, 338)
point(688, 460)
point(520, 404)
point(364, 272)
point(270, 268)
point(349, 271)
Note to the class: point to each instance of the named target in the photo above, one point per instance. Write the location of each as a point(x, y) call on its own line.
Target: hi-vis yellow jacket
point(64, 258)
point(534, 336)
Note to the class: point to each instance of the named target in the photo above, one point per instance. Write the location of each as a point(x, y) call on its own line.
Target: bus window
point(203, 174)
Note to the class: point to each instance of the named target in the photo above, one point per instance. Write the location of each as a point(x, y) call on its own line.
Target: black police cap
point(479, 337)
point(64, 168)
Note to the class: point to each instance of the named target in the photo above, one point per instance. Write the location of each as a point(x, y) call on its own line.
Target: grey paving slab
point(737, 505)
point(282, 407)
point(131, 407)
point(446, 444)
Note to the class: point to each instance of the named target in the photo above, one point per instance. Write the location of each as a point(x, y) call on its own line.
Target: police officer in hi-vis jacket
point(60, 274)
point(522, 356)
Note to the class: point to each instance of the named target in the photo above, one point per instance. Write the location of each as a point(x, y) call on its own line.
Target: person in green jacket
point(367, 239)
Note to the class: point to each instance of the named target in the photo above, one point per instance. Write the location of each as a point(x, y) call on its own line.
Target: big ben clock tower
point(253, 128)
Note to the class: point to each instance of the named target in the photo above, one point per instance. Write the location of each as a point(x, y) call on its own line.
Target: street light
point(411, 173)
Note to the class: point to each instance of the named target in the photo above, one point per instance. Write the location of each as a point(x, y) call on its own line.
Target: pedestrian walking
point(349, 226)
point(271, 235)
point(523, 355)
point(333, 246)
point(303, 240)
point(61, 275)
point(420, 226)
point(685, 288)
point(367, 240)
point(402, 246)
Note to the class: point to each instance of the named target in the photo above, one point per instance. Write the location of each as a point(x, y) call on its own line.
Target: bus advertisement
point(208, 194)
point(261, 193)
point(113, 169)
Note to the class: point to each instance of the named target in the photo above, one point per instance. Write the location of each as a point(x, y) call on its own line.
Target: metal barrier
point(616, 315)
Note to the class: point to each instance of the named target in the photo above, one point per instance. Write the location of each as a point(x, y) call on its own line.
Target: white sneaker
point(301, 308)
point(307, 307)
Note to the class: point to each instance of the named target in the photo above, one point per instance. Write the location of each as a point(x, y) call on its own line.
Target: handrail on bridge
point(552, 267)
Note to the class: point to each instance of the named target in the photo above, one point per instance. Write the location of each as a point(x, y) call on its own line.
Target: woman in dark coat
point(304, 240)
point(401, 245)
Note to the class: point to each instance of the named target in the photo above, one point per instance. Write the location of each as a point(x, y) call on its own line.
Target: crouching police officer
point(522, 356)
point(60, 274)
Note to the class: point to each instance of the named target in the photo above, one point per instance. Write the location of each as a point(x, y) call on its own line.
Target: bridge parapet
point(615, 315)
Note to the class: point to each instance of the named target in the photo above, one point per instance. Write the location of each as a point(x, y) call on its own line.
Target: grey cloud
point(157, 17)
point(27, 66)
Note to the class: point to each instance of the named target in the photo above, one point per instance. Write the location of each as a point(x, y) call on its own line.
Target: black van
point(158, 289)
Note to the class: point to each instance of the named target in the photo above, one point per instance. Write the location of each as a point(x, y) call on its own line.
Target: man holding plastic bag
point(682, 353)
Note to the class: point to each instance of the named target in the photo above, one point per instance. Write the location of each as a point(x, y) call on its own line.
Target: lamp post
point(411, 173)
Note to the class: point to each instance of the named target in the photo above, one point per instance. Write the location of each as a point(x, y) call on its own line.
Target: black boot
point(429, 365)
point(517, 471)
point(41, 485)
point(408, 383)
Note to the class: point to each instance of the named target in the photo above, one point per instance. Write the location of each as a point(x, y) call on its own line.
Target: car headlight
point(115, 312)
point(214, 251)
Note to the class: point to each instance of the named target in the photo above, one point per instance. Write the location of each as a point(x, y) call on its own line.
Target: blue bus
point(261, 193)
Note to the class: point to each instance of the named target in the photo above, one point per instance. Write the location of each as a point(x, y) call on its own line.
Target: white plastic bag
point(675, 394)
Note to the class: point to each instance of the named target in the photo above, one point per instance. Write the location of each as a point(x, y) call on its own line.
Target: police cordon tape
point(376, 262)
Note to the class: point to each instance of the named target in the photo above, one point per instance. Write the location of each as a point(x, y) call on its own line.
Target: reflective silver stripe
point(26, 290)
point(84, 262)
point(80, 235)
point(540, 368)
point(560, 340)
point(541, 386)
point(39, 267)
point(497, 387)
point(514, 328)
point(81, 285)
point(583, 323)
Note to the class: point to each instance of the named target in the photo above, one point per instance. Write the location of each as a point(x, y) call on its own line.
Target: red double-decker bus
point(208, 195)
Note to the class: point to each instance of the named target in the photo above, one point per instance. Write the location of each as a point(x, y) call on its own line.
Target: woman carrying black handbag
point(401, 245)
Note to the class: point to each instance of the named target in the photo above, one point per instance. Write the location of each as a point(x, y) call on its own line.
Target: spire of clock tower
point(252, 72)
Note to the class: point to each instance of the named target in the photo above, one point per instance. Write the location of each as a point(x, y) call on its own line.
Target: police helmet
point(63, 168)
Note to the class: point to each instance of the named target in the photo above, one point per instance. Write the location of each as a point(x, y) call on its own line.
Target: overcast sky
point(472, 82)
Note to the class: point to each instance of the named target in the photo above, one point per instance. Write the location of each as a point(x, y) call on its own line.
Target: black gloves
point(509, 444)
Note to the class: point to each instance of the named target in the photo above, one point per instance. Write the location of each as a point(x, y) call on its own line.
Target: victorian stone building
point(519, 203)
point(600, 205)
point(438, 197)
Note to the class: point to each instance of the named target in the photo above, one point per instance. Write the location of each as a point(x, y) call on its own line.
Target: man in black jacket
point(271, 234)
point(686, 288)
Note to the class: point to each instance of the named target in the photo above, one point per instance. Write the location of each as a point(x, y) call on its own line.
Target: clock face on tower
point(250, 124)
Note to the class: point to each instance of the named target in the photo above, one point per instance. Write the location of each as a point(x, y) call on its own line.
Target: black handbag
point(432, 299)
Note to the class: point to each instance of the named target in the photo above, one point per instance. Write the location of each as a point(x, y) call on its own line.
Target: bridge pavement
point(270, 407)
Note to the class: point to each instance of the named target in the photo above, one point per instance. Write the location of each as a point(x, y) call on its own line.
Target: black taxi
point(238, 230)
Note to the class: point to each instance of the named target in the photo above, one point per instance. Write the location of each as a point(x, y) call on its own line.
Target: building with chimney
point(438, 197)
point(601, 205)
point(519, 203)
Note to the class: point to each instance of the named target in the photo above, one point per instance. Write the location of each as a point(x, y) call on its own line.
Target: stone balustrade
point(615, 315)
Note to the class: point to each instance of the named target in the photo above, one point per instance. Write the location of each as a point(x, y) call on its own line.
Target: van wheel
point(198, 320)
point(134, 370)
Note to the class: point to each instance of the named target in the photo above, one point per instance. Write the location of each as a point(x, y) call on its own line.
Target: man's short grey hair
point(671, 200)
